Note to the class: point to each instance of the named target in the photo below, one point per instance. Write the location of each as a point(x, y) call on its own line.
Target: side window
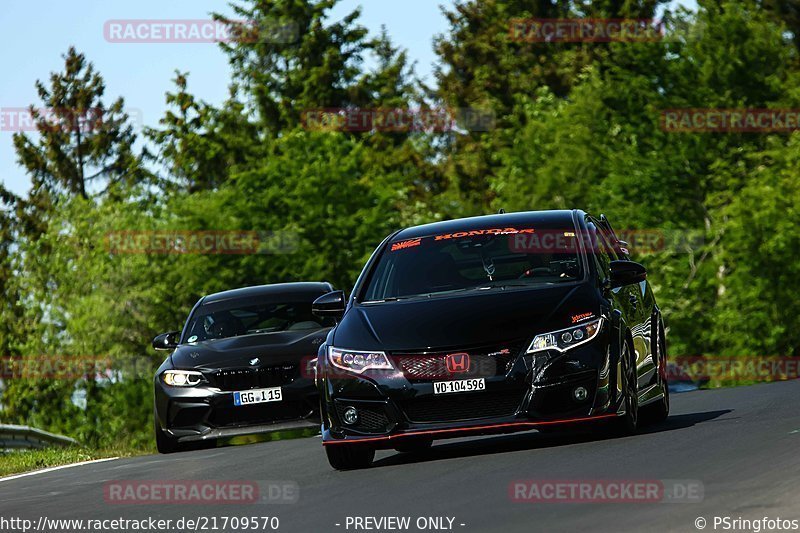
point(609, 248)
point(618, 250)
point(600, 249)
point(384, 283)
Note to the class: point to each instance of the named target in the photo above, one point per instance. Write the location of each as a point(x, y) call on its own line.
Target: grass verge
point(18, 462)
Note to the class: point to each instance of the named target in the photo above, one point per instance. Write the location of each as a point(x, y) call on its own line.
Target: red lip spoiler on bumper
point(467, 430)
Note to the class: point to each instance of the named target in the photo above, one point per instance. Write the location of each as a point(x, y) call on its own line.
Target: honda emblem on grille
point(457, 363)
point(254, 361)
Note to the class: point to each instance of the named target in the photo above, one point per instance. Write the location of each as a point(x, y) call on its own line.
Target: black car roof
point(301, 289)
point(501, 220)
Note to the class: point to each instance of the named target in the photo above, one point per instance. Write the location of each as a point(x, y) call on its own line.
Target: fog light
point(580, 394)
point(350, 416)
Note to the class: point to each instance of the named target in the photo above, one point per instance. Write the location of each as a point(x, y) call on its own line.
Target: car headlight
point(182, 378)
point(565, 339)
point(357, 361)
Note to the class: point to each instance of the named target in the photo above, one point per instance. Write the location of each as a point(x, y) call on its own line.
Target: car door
point(639, 308)
point(628, 299)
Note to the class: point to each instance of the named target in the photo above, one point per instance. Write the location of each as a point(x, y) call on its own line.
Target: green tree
point(200, 144)
point(84, 146)
point(289, 59)
point(603, 148)
point(488, 61)
point(83, 150)
point(755, 264)
point(11, 310)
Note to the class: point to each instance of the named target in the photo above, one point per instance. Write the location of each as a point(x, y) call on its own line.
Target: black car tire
point(345, 457)
point(165, 443)
point(629, 422)
point(414, 445)
point(659, 411)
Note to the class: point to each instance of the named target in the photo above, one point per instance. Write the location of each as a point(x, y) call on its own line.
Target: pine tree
point(82, 147)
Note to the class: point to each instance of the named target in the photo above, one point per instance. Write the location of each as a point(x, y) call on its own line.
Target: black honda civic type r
point(492, 324)
point(244, 363)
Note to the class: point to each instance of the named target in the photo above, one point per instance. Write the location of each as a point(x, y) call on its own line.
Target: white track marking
point(54, 468)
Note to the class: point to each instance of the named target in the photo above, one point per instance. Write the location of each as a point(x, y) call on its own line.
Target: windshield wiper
point(415, 296)
point(451, 291)
point(388, 299)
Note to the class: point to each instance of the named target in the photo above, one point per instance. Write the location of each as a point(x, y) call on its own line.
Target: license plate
point(249, 397)
point(461, 385)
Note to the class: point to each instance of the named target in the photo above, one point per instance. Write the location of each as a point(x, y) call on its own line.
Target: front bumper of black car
point(532, 391)
point(204, 412)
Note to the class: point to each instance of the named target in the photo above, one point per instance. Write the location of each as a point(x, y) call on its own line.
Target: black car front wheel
point(165, 443)
point(659, 411)
point(627, 423)
point(349, 457)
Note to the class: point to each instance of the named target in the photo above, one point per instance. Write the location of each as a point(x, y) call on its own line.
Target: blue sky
point(38, 32)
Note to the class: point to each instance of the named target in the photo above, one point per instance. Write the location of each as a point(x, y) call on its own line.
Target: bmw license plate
point(461, 385)
point(249, 397)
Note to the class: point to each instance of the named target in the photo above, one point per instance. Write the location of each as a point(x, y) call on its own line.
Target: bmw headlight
point(358, 361)
point(564, 339)
point(182, 378)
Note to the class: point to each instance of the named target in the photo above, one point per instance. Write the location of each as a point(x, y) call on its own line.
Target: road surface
point(740, 445)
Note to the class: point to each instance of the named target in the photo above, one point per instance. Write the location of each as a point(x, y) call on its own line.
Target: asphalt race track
point(742, 444)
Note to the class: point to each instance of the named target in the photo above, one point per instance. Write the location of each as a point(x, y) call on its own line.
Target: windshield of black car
point(482, 258)
point(231, 319)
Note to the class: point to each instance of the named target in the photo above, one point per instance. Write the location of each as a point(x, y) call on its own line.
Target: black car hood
point(471, 318)
point(236, 352)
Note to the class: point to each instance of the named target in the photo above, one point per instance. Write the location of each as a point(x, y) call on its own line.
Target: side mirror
point(627, 273)
point(167, 341)
point(330, 304)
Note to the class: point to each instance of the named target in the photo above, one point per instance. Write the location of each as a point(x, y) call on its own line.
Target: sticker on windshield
point(476, 232)
point(192, 338)
point(411, 243)
point(402, 245)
